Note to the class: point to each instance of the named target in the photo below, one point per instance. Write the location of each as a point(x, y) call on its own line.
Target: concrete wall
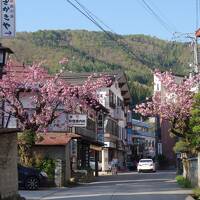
point(193, 171)
point(8, 165)
point(61, 153)
point(54, 152)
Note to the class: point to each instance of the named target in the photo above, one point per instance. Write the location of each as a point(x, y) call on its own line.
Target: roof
point(9, 130)
point(56, 139)
point(79, 78)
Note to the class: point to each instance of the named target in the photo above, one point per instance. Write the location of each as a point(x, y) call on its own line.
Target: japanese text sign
point(7, 18)
point(78, 120)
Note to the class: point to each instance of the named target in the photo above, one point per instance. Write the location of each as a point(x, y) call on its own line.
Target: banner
point(7, 18)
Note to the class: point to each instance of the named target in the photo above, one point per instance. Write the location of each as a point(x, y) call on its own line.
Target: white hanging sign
point(77, 120)
point(7, 18)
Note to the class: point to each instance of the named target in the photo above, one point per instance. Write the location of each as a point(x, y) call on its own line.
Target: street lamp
point(4, 53)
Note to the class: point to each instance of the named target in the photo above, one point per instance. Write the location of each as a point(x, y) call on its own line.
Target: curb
point(46, 193)
point(189, 198)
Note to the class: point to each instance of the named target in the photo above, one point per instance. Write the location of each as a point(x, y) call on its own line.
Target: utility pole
point(196, 52)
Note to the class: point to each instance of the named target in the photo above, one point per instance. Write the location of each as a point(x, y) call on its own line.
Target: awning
point(95, 147)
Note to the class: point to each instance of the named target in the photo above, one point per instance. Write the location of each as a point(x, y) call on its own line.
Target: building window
point(158, 87)
point(100, 120)
point(112, 99)
point(153, 144)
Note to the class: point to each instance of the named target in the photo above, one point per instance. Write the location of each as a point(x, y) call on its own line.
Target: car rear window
point(146, 161)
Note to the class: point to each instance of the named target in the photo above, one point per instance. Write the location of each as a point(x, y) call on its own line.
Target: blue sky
point(123, 16)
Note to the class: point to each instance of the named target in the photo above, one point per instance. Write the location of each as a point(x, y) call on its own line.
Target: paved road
point(126, 186)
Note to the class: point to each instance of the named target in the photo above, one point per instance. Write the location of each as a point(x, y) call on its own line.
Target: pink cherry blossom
point(175, 100)
point(37, 99)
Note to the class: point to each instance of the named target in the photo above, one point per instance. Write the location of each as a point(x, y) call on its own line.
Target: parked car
point(92, 164)
point(31, 178)
point(146, 165)
point(131, 165)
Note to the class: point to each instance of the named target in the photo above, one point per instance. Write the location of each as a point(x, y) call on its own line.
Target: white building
point(116, 99)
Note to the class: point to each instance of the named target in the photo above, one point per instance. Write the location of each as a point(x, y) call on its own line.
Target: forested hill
point(95, 51)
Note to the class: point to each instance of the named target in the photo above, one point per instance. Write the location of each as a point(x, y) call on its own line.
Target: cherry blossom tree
point(36, 99)
point(173, 102)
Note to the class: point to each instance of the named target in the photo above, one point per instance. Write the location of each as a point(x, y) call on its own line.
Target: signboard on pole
point(77, 120)
point(7, 18)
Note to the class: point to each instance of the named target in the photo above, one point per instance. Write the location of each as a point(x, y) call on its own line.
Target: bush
point(197, 193)
point(72, 182)
point(47, 165)
point(183, 182)
point(181, 146)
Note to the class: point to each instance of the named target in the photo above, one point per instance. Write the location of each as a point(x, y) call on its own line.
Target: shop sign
point(7, 18)
point(77, 120)
point(100, 135)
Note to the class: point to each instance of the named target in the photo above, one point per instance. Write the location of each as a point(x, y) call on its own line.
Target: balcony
point(89, 131)
point(111, 127)
point(118, 113)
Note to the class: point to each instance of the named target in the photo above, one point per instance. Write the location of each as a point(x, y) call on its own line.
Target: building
point(143, 140)
point(165, 142)
point(116, 99)
point(111, 127)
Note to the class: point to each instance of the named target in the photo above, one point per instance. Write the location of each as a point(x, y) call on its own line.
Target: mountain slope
point(88, 51)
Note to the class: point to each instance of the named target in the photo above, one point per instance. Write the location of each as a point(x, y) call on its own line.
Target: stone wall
point(8, 165)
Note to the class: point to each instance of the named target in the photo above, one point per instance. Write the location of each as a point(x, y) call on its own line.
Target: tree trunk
point(26, 141)
point(185, 165)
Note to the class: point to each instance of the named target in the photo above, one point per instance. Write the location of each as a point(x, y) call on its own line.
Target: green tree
point(194, 136)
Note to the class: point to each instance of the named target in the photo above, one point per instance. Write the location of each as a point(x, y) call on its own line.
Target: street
point(125, 186)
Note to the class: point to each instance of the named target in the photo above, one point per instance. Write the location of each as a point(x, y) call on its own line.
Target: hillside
point(94, 51)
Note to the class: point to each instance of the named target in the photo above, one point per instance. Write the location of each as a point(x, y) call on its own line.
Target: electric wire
point(113, 36)
point(92, 14)
point(170, 24)
point(157, 17)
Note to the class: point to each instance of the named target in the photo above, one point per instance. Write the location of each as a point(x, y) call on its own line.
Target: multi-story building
point(112, 127)
point(116, 99)
point(165, 142)
point(143, 140)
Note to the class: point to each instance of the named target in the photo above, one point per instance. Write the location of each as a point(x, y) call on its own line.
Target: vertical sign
point(100, 127)
point(7, 16)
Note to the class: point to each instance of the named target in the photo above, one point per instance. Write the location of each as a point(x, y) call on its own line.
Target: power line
point(92, 14)
point(113, 36)
point(158, 18)
point(171, 25)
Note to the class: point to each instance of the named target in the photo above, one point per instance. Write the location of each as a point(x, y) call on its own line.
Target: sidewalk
point(39, 194)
